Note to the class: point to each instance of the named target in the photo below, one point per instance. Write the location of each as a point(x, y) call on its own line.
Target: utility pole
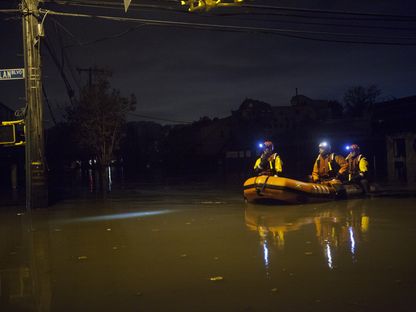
point(36, 182)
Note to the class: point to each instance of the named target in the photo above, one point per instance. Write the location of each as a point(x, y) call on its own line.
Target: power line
point(9, 10)
point(115, 36)
point(64, 54)
point(57, 23)
point(320, 17)
point(159, 119)
point(49, 105)
point(116, 6)
point(297, 22)
point(55, 59)
point(373, 16)
point(279, 31)
point(347, 41)
point(320, 11)
point(248, 6)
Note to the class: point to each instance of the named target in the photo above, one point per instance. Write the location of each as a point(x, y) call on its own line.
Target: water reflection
point(151, 255)
point(110, 180)
point(352, 240)
point(338, 228)
point(25, 283)
point(117, 216)
point(93, 177)
point(90, 180)
point(328, 254)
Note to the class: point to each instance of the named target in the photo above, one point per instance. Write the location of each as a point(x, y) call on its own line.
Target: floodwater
point(199, 249)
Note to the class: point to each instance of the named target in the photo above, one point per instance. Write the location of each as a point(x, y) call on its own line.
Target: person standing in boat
point(328, 166)
point(269, 162)
point(357, 167)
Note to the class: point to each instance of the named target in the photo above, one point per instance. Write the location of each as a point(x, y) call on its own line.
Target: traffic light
point(12, 133)
point(200, 5)
point(207, 5)
point(7, 134)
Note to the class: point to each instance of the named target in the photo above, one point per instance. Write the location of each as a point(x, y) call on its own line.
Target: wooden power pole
point(36, 182)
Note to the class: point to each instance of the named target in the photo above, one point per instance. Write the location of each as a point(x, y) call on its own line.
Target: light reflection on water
point(328, 255)
point(352, 241)
point(161, 256)
point(110, 177)
point(334, 224)
point(117, 216)
point(94, 178)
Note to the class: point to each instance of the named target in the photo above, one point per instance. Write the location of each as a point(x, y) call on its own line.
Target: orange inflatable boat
point(270, 189)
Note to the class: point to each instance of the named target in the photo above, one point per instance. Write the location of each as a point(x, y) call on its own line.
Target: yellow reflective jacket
point(328, 167)
point(275, 165)
point(357, 165)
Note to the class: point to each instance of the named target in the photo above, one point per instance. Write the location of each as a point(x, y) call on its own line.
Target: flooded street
point(198, 249)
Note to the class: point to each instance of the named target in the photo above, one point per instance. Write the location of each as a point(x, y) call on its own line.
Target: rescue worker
point(269, 162)
point(357, 167)
point(328, 166)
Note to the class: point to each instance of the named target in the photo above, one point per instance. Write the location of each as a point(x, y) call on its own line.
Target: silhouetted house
point(252, 110)
point(307, 109)
point(232, 142)
point(395, 121)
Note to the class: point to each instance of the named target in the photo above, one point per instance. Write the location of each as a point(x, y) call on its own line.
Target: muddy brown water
point(204, 250)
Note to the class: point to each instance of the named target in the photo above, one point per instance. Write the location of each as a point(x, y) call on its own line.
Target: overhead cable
point(233, 28)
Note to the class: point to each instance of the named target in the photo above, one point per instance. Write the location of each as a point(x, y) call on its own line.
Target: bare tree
point(359, 100)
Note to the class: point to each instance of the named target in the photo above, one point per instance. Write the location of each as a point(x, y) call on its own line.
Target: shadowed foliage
point(98, 118)
point(359, 100)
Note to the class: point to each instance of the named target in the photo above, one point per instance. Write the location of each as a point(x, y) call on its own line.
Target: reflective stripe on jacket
point(328, 166)
point(275, 164)
point(356, 165)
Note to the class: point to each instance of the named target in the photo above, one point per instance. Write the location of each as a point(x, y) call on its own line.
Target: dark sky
point(183, 74)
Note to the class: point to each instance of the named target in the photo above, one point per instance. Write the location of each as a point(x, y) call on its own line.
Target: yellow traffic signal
point(207, 5)
point(12, 133)
point(7, 134)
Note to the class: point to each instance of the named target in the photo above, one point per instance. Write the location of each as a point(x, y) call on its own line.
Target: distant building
point(232, 141)
point(387, 138)
point(395, 120)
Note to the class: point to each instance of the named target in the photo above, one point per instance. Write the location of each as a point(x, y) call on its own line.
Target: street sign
point(12, 74)
point(126, 4)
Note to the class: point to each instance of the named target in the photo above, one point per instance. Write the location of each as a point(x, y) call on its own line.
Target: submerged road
point(187, 249)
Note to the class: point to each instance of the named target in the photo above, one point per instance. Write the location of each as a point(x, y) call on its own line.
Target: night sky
point(185, 73)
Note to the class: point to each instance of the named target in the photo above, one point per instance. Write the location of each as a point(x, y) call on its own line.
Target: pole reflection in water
point(110, 181)
point(90, 180)
point(25, 283)
point(109, 176)
point(338, 226)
